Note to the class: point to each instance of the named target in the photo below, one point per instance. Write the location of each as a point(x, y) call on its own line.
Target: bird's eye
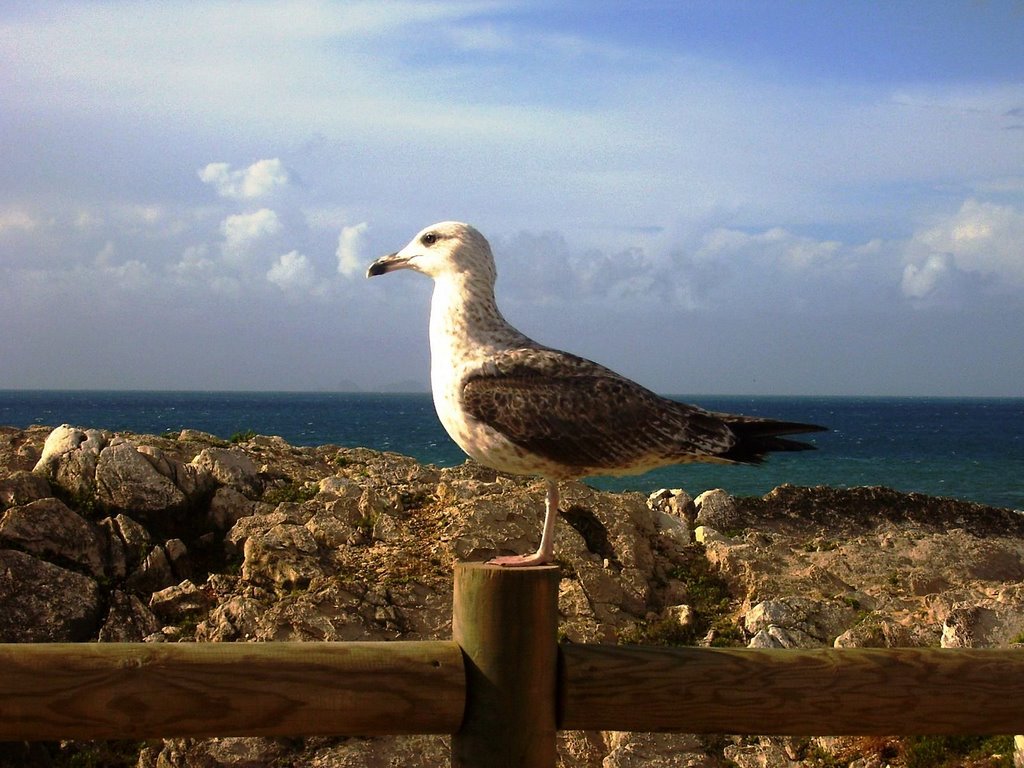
point(429, 239)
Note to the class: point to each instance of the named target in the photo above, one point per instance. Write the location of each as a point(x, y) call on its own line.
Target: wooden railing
point(502, 687)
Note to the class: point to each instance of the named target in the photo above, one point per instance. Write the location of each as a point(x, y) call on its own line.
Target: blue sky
point(711, 197)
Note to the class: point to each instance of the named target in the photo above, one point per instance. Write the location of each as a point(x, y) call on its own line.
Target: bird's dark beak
point(386, 264)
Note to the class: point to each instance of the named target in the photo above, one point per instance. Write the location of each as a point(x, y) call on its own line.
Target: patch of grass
point(86, 504)
point(950, 751)
point(709, 596)
point(819, 757)
point(661, 632)
point(294, 492)
point(851, 602)
point(242, 437)
point(98, 754)
point(412, 500)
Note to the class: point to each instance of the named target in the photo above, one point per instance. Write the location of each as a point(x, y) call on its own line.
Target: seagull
point(518, 406)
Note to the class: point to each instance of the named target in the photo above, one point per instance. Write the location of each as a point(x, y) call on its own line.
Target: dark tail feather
point(756, 437)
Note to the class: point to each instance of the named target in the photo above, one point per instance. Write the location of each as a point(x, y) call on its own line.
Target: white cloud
point(106, 255)
point(981, 237)
point(17, 219)
point(776, 245)
point(350, 245)
point(87, 220)
point(291, 271)
point(195, 263)
point(259, 179)
point(922, 280)
point(131, 275)
point(242, 230)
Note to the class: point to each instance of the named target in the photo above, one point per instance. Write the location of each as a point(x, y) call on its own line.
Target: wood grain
point(143, 690)
point(819, 692)
point(506, 620)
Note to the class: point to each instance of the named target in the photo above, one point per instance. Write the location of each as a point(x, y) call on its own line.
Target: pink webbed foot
point(546, 553)
point(521, 561)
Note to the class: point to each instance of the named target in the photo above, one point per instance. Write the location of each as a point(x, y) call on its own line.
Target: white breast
point(460, 342)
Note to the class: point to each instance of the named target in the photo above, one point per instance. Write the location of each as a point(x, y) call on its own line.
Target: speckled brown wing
point(579, 414)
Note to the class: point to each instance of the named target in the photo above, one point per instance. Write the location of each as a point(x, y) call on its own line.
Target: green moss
point(242, 437)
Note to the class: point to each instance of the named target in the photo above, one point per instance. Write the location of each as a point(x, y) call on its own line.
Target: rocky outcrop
point(119, 537)
point(43, 602)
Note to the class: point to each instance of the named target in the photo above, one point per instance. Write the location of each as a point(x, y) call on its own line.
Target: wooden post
point(506, 621)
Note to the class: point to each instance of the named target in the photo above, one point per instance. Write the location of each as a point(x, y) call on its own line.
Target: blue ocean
point(971, 449)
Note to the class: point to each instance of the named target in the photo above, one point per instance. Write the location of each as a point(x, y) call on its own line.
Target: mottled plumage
point(521, 407)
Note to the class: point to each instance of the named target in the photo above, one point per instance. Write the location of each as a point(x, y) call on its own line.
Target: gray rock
point(134, 537)
point(23, 487)
point(875, 631)
point(675, 502)
point(761, 753)
point(705, 534)
point(236, 618)
point(127, 482)
point(153, 574)
point(128, 620)
point(386, 527)
point(337, 525)
point(968, 626)
point(176, 602)
point(683, 615)
point(655, 750)
point(228, 752)
point(717, 509)
point(192, 481)
point(673, 528)
point(44, 603)
point(178, 559)
point(819, 622)
point(339, 486)
point(69, 459)
point(227, 507)
point(49, 529)
point(230, 467)
point(782, 637)
point(871, 567)
point(117, 555)
point(285, 557)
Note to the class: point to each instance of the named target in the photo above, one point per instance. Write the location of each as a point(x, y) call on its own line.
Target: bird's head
point(447, 248)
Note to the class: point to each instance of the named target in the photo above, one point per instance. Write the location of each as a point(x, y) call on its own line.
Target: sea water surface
point(970, 449)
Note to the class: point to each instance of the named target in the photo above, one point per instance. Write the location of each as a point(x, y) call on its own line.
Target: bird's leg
point(546, 552)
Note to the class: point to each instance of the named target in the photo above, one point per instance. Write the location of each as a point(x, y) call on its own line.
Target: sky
point(787, 198)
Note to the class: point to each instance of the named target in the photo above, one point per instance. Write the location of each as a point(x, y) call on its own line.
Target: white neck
point(464, 312)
